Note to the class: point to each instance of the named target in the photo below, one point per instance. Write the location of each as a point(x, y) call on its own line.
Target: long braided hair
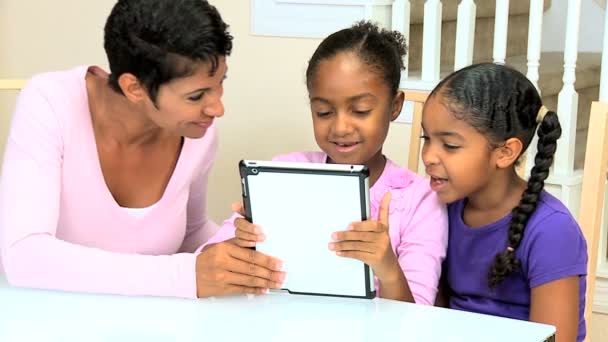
point(502, 103)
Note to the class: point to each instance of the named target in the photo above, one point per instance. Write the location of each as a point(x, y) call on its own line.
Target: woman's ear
point(397, 105)
point(132, 88)
point(508, 153)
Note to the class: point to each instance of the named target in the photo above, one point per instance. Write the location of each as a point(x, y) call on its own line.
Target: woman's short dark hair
point(160, 40)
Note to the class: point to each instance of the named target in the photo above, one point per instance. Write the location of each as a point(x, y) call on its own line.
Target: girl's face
point(352, 107)
point(458, 158)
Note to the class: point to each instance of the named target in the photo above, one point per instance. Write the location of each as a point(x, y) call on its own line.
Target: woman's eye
point(322, 114)
point(451, 147)
point(425, 137)
point(196, 97)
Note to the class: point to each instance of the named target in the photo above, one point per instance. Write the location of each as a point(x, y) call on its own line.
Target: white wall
point(47, 35)
point(265, 95)
point(591, 26)
point(50, 35)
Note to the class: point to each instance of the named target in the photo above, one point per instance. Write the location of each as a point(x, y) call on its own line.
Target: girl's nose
point(342, 125)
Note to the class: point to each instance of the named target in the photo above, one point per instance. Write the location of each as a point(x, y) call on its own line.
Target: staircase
point(551, 63)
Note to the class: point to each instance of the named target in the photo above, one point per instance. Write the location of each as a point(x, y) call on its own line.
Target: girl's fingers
point(367, 226)
point(358, 255)
point(344, 246)
point(351, 235)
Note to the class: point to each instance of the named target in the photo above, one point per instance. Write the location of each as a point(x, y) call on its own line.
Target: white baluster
point(465, 34)
point(534, 40)
point(431, 40)
point(401, 22)
point(534, 45)
point(501, 26)
point(567, 106)
point(604, 76)
point(368, 11)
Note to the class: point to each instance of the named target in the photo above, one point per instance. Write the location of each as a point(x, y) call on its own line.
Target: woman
point(105, 175)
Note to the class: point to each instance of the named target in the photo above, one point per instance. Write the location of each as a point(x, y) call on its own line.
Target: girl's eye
point(361, 112)
point(322, 114)
point(425, 137)
point(451, 147)
point(195, 98)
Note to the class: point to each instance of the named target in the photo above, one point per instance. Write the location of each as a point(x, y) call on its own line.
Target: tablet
point(299, 206)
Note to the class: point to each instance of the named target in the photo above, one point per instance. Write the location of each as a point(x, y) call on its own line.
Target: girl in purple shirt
point(514, 250)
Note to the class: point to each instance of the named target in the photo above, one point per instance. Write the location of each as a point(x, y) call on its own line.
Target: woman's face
point(188, 105)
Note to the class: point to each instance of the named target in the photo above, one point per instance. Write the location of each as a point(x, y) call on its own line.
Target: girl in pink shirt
point(353, 80)
point(104, 179)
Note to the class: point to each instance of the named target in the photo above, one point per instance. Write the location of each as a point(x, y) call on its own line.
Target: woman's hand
point(226, 268)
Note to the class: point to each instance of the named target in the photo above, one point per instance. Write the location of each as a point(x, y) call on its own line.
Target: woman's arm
point(30, 193)
point(29, 213)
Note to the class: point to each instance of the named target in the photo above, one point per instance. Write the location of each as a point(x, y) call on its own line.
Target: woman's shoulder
point(56, 94)
point(57, 83)
point(50, 105)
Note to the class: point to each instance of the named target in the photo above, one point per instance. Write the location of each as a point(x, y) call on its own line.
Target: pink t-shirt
point(418, 224)
point(62, 229)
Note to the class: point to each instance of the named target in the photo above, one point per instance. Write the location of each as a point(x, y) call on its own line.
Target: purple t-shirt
point(553, 247)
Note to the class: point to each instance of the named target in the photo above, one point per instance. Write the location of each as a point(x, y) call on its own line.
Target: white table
point(35, 315)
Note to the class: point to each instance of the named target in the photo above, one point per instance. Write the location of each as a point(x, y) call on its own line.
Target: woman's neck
point(115, 118)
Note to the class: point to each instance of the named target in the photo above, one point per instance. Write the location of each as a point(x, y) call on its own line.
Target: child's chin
point(447, 197)
point(345, 160)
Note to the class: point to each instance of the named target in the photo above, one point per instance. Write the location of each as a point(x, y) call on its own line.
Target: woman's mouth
point(204, 124)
